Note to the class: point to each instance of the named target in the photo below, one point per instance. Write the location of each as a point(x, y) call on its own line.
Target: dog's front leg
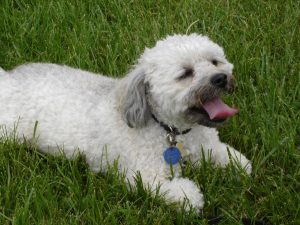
point(178, 190)
point(223, 154)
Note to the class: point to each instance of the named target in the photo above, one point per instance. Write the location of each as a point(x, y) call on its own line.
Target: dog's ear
point(135, 108)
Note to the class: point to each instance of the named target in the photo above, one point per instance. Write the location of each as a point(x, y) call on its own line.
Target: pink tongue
point(217, 109)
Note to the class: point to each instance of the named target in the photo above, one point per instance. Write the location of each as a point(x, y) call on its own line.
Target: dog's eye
point(214, 62)
point(188, 72)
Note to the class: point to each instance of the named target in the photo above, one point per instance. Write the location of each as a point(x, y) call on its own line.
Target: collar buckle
point(171, 138)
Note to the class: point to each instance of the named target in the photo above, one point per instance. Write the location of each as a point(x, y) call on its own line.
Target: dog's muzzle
point(209, 109)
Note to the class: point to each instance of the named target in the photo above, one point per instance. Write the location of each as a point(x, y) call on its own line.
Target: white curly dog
point(173, 91)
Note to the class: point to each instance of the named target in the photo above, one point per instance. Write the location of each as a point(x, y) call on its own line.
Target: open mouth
point(214, 110)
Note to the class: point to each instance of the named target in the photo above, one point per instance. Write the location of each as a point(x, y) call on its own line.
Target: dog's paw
point(230, 155)
point(240, 161)
point(245, 164)
point(184, 192)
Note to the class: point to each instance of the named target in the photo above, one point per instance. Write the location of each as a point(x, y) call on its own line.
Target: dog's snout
point(219, 80)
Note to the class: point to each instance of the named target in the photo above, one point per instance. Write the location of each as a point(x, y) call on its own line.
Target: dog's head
point(180, 81)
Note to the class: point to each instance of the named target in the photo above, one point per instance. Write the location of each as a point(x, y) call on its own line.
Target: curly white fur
point(108, 119)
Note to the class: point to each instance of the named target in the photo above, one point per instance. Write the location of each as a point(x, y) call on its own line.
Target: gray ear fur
point(135, 108)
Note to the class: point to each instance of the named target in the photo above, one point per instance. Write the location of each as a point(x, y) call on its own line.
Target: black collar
point(170, 129)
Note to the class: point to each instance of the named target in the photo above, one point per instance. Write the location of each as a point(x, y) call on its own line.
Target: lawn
point(262, 40)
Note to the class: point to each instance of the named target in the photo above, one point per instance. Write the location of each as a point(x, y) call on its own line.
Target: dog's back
point(75, 79)
point(2, 72)
point(64, 101)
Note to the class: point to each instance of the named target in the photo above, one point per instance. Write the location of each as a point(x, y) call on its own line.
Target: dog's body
point(108, 119)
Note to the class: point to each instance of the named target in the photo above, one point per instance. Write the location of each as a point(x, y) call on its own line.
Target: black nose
point(219, 80)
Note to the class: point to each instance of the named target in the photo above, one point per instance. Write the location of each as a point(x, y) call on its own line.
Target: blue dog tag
point(172, 155)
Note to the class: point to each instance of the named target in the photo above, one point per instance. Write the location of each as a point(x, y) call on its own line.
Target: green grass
point(261, 38)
